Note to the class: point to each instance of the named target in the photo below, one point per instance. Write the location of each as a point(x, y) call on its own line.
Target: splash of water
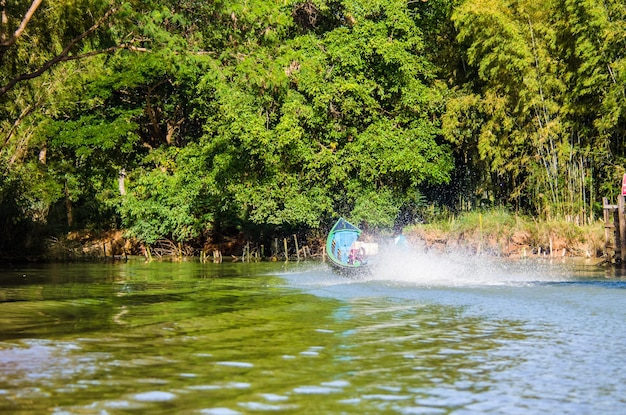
point(456, 269)
point(413, 267)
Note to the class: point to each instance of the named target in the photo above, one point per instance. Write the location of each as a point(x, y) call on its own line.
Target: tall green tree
point(111, 85)
point(317, 122)
point(41, 44)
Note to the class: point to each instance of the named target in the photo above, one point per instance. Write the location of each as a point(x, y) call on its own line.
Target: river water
point(420, 335)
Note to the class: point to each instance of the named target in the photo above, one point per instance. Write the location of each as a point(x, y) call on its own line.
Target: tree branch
point(6, 44)
point(112, 49)
point(63, 56)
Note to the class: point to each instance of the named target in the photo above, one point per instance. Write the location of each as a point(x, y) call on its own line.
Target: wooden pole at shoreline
point(295, 239)
point(621, 212)
point(608, 248)
point(286, 249)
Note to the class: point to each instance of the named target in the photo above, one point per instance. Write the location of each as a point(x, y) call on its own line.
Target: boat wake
point(413, 268)
point(428, 269)
point(449, 269)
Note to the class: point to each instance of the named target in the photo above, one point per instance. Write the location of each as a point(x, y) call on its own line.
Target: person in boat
point(356, 254)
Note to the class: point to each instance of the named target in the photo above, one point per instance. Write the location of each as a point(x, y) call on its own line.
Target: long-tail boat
point(347, 254)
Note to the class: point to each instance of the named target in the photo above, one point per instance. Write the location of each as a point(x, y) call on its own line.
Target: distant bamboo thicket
point(188, 120)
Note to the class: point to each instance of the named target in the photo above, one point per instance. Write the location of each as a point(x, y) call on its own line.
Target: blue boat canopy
point(343, 224)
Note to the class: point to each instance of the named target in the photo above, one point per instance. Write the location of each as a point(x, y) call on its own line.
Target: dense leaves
point(545, 88)
point(187, 119)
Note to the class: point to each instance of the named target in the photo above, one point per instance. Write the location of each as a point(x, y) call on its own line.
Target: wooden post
point(286, 250)
point(611, 241)
point(621, 212)
point(616, 238)
point(551, 248)
point(295, 239)
point(607, 236)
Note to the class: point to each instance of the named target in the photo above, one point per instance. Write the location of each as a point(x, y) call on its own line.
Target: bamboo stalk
point(286, 250)
point(295, 239)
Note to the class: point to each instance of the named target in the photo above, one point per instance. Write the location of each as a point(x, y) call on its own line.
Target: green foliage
point(300, 130)
point(280, 115)
point(167, 199)
point(376, 208)
point(531, 114)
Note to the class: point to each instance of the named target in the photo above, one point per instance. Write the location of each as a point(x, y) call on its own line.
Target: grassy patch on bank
point(501, 232)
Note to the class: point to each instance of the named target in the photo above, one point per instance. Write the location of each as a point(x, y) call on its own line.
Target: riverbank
point(500, 233)
point(494, 233)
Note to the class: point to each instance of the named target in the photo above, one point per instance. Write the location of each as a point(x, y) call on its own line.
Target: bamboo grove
point(188, 119)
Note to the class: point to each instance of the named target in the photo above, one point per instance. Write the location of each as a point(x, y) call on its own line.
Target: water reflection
point(191, 338)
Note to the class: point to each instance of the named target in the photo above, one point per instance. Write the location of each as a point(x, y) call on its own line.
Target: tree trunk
point(120, 181)
point(68, 207)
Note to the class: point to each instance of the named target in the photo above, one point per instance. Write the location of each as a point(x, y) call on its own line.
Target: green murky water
point(188, 338)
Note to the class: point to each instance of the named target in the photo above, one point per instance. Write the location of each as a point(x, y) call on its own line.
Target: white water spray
point(413, 267)
point(410, 266)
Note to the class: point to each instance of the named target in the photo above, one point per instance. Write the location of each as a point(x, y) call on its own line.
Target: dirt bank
point(541, 240)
